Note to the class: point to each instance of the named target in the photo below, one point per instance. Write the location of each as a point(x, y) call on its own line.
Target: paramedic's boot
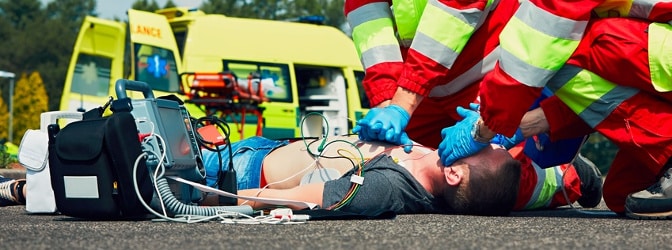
point(653, 203)
point(11, 192)
point(591, 182)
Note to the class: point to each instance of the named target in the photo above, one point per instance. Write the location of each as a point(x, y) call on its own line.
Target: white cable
point(160, 170)
point(283, 180)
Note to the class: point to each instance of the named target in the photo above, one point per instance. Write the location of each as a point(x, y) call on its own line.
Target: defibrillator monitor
point(171, 122)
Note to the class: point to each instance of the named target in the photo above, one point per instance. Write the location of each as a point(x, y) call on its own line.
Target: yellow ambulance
point(291, 68)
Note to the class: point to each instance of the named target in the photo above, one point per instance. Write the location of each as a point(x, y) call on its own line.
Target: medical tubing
point(176, 207)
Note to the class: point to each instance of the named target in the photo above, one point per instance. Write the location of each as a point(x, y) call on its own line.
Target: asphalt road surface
point(564, 228)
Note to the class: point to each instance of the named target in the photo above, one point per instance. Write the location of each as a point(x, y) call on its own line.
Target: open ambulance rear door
point(156, 59)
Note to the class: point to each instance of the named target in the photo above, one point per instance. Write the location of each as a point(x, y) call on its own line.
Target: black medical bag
point(93, 167)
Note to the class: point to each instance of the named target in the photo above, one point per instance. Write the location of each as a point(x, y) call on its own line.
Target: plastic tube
point(174, 206)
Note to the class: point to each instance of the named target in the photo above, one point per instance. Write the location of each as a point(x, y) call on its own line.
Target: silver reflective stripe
point(642, 8)
point(548, 183)
point(381, 54)
point(434, 50)
point(469, 16)
point(406, 42)
point(552, 25)
point(474, 75)
point(562, 77)
point(594, 114)
point(524, 73)
point(541, 176)
point(369, 12)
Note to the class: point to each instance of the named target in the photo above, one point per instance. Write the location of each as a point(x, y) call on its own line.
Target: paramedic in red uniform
point(423, 59)
point(618, 81)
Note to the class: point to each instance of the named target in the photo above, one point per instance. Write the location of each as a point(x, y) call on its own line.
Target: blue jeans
point(248, 155)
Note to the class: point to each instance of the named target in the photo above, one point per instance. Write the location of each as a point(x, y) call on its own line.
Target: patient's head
point(491, 186)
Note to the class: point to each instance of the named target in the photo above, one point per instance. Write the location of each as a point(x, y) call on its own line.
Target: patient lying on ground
point(385, 178)
point(365, 178)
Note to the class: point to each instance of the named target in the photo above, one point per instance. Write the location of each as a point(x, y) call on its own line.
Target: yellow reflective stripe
point(407, 14)
point(587, 85)
point(534, 47)
point(547, 184)
point(660, 56)
point(373, 33)
point(590, 96)
point(434, 22)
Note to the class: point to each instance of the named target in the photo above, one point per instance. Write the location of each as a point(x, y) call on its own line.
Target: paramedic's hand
point(458, 140)
point(385, 124)
point(507, 142)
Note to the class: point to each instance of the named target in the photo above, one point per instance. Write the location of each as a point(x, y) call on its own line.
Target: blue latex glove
point(507, 142)
point(458, 140)
point(385, 124)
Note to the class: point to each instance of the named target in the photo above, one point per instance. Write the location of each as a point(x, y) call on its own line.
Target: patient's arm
point(307, 193)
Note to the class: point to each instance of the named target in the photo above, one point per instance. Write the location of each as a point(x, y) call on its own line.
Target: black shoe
point(653, 203)
point(591, 182)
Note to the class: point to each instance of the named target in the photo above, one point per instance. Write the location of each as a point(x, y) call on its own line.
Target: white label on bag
point(81, 187)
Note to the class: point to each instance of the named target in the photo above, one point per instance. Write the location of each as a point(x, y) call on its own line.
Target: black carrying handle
point(123, 84)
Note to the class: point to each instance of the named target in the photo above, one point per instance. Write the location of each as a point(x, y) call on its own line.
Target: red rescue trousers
point(641, 126)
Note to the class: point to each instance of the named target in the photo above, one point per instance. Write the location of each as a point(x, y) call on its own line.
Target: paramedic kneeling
point(392, 180)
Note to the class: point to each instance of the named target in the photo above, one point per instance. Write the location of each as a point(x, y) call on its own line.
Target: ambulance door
point(358, 102)
point(156, 59)
point(322, 90)
point(96, 63)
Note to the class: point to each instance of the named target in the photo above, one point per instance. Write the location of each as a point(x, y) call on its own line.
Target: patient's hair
point(490, 190)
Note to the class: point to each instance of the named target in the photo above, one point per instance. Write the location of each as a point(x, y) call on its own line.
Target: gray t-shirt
point(387, 186)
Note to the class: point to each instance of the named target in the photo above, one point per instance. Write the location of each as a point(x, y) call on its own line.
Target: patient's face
point(492, 156)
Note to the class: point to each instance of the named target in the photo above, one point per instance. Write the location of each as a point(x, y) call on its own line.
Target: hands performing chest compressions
point(464, 139)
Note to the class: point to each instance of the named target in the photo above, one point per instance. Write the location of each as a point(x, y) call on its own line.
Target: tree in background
point(332, 10)
point(30, 100)
point(600, 150)
point(4, 119)
point(169, 4)
point(40, 39)
point(145, 5)
point(6, 159)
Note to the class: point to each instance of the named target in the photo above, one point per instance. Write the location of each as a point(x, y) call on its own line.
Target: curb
point(13, 173)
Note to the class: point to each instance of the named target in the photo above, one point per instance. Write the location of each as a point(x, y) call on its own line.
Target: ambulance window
point(359, 76)
point(92, 75)
point(274, 78)
point(156, 66)
point(180, 38)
